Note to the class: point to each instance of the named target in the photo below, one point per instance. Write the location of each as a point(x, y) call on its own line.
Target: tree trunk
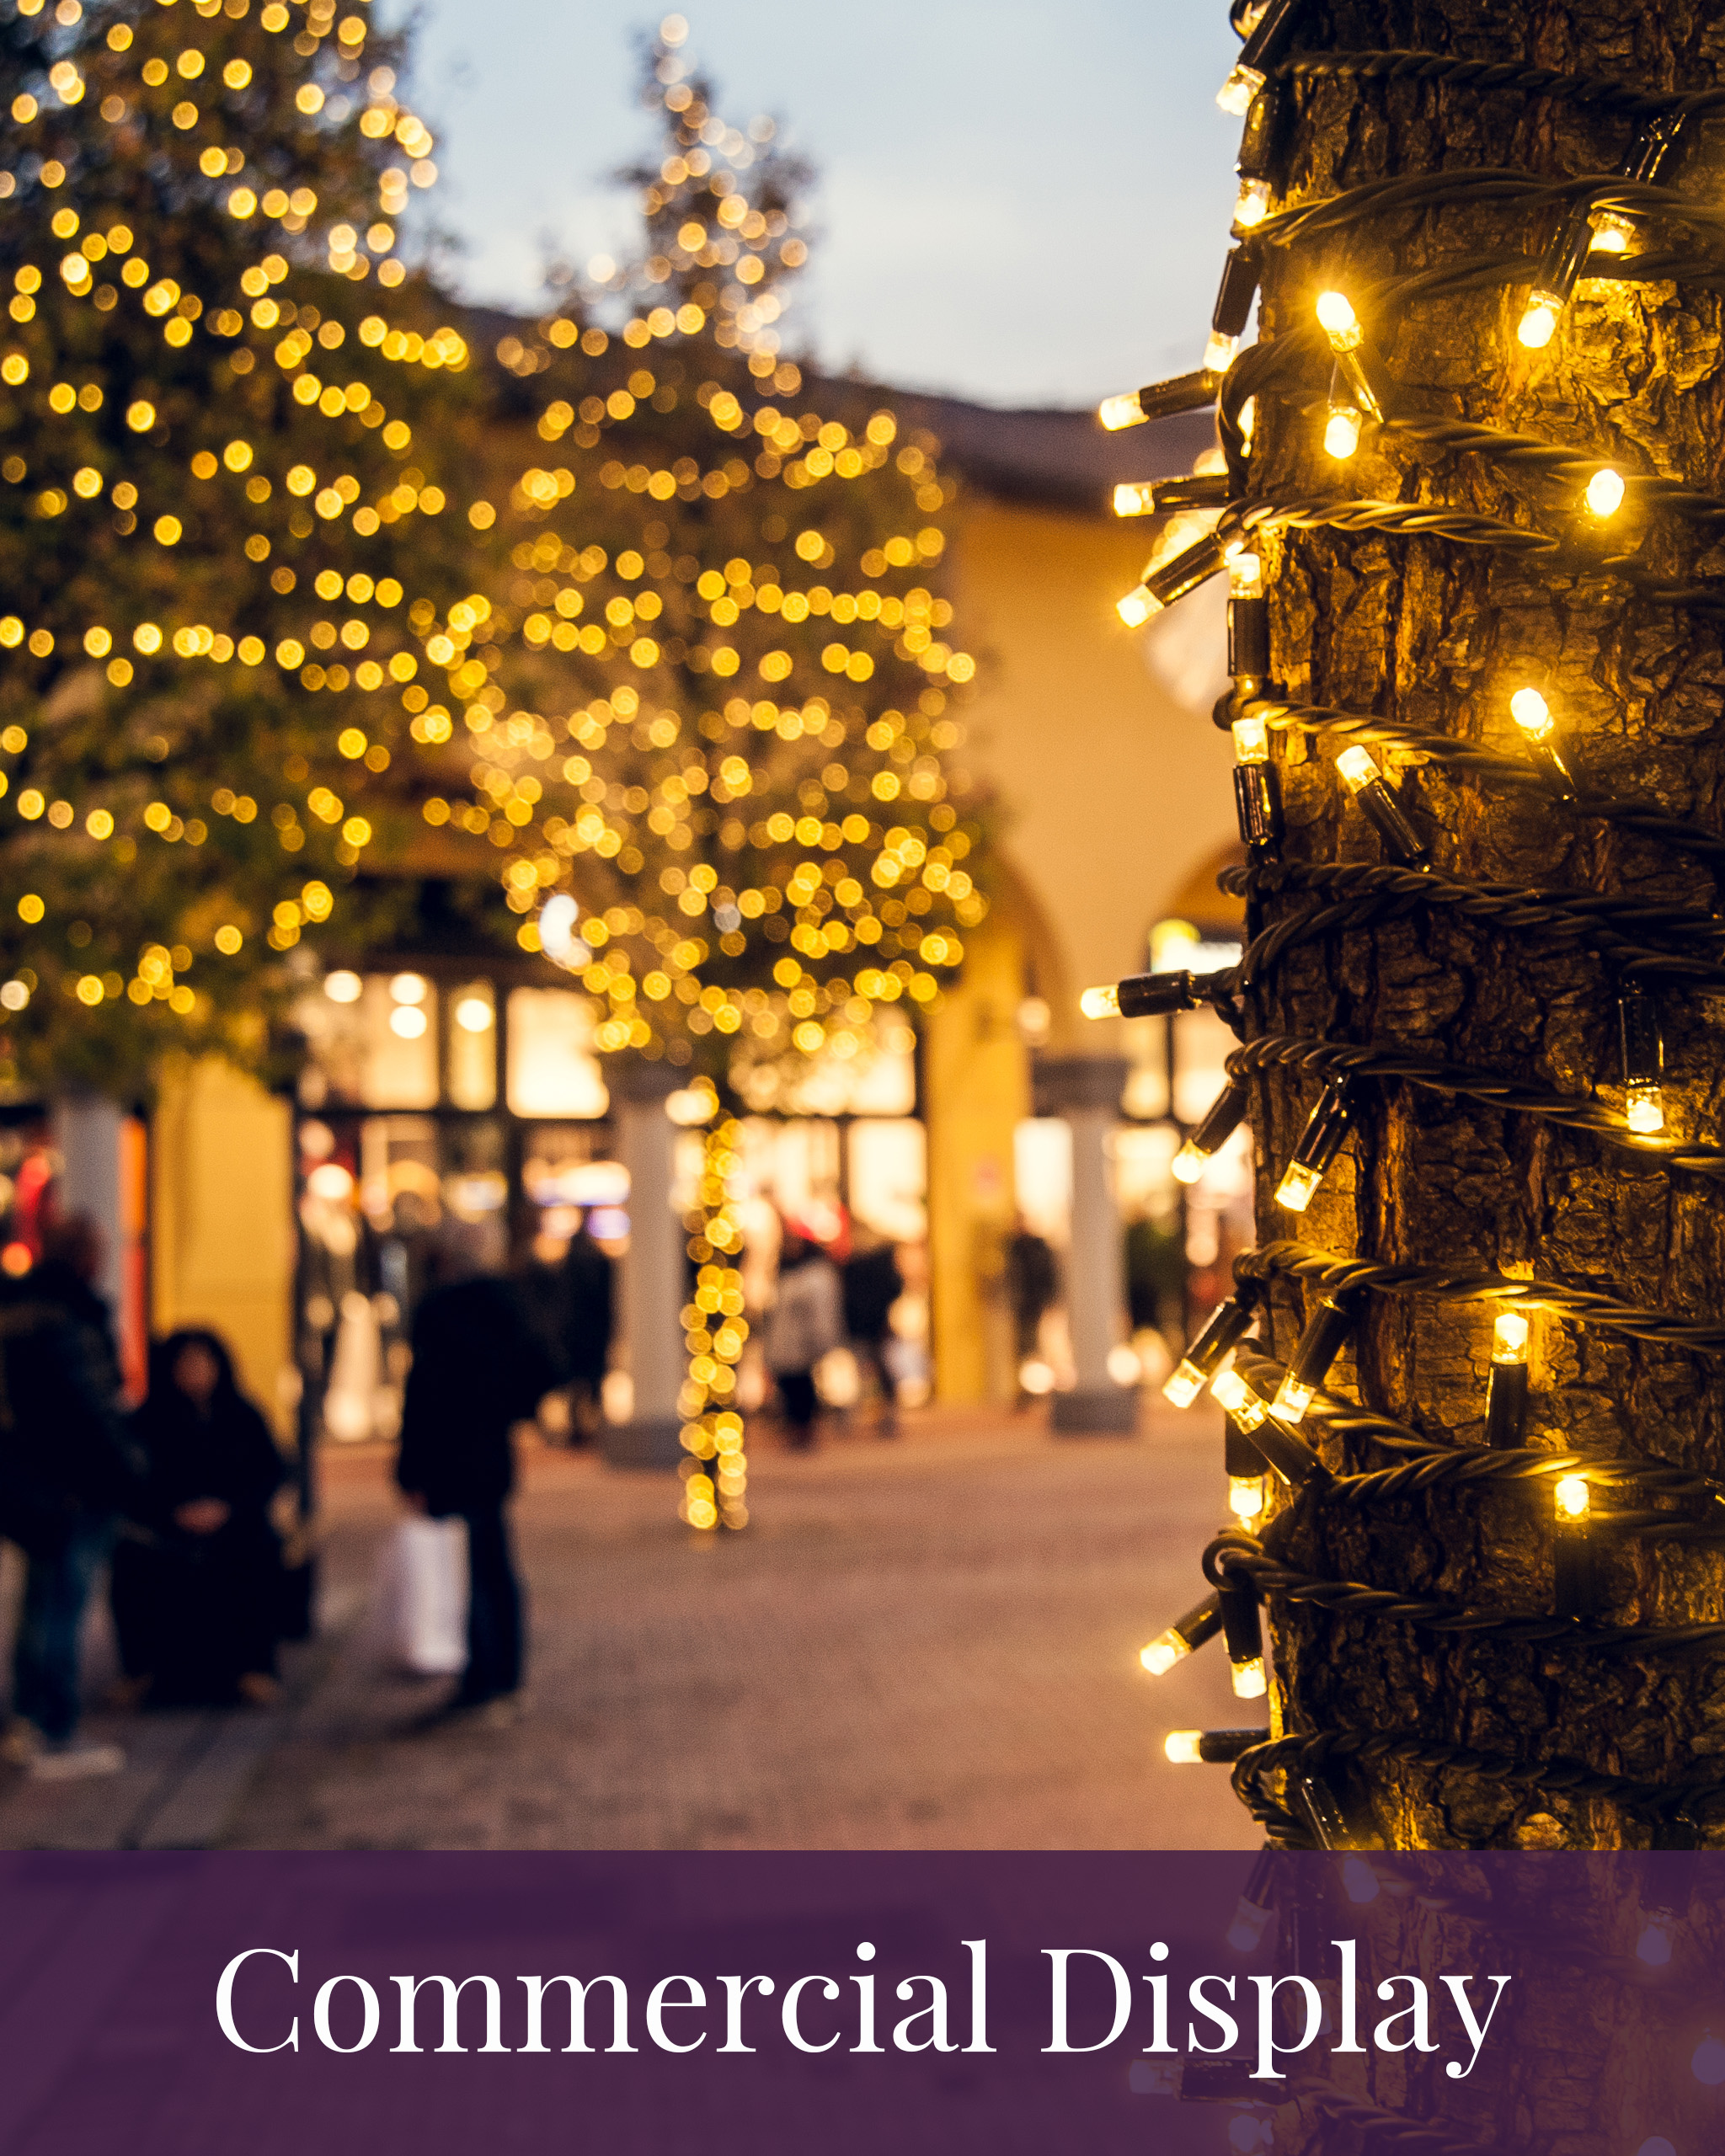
point(1430, 634)
point(1433, 635)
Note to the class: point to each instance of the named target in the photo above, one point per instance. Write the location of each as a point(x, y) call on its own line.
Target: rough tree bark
point(1437, 636)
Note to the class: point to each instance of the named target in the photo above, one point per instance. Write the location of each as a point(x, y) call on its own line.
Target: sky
point(1022, 203)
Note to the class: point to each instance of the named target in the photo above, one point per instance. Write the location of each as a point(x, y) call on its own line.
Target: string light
point(1183, 1637)
point(1256, 1906)
point(1209, 1747)
point(1381, 809)
point(1242, 1634)
point(1252, 205)
point(1187, 490)
point(1142, 995)
point(1258, 798)
point(1221, 1333)
point(1642, 1044)
point(1160, 400)
point(1263, 48)
point(1243, 1464)
point(1233, 309)
point(1321, 1341)
point(1506, 1386)
point(1533, 715)
point(1248, 621)
point(1325, 1133)
point(1572, 1548)
point(1653, 1945)
point(1225, 1114)
point(1356, 361)
point(1341, 429)
point(1566, 255)
point(1605, 493)
point(1162, 586)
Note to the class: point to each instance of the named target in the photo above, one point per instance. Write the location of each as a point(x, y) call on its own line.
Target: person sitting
point(197, 1605)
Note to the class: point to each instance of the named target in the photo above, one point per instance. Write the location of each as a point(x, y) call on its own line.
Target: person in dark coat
point(478, 1370)
point(1033, 1283)
point(873, 1283)
point(65, 1471)
point(197, 1605)
point(589, 1319)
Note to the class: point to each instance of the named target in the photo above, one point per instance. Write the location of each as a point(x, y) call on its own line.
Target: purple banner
point(360, 2004)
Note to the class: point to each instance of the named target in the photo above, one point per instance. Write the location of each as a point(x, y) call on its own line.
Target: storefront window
point(552, 1068)
point(472, 1046)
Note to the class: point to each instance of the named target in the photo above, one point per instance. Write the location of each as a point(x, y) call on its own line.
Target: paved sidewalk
point(925, 1644)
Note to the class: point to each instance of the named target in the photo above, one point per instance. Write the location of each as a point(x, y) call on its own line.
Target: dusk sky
point(1021, 203)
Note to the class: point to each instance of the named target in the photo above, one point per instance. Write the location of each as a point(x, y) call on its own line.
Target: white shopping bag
point(426, 1597)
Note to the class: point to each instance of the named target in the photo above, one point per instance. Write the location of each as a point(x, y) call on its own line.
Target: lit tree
point(1467, 520)
point(713, 695)
point(227, 406)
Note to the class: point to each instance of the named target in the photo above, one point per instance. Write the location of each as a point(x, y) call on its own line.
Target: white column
point(655, 1274)
point(1085, 1090)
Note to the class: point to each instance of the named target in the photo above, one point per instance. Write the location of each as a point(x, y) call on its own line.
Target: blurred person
point(588, 1320)
point(873, 1283)
point(1033, 1283)
point(198, 1602)
point(806, 1321)
point(478, 1370)
point(66, 1472)
point(1155, 1276)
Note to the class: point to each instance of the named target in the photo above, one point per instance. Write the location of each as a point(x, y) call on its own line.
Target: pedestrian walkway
point(925, 1644)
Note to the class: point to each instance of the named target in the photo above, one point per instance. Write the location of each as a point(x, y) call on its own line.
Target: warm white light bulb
point(1539, 324)
point(1229, 1390)
point(1101, 1002)
point(1219, 352)
point(1122, 411)
point(1531, 712)
point(1164, 1651)
point(1136, 499)
point(1357, 769)
point(1184, 1386)
point(1296, 1187)
point(1135, 609)
point(1342, 432)
point(1358, 1881)
point(1509, 1338)
point(1604, 492)
point(344, 987)
point(1338, 321)
point(1180, 1746)
point(1246, 1496)
point(1293, 1398)
point(1252, 205)
point(1707, 2064)
point(1644, 1110)
point(1573, 1498)
point(1188, 1163)
point(1242, 87)
point(1249, 1680)
point(1654, 1945)
point(1245, 573)
point(1611, 233)
point(1251, 740)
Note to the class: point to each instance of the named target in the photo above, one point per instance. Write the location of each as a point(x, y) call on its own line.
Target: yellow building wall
point(1113, 796)
point(222, 1240)
point(1113, 792)
point(976, 1085)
